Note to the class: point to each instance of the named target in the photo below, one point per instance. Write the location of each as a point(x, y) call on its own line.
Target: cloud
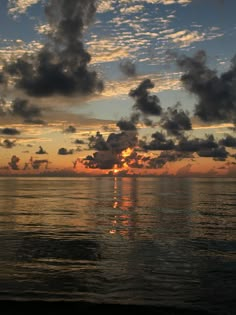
point(203, 147)
point(14, 49)
point(228, 141)
point(168, 2)
point(31, 113)
point(165, 2)
point(196, 144)
point(159, 142)
point(144, 102)
point(8, 144)
point(13, 164)
point(44, 29)
point(59, 71)
point(64, 151)
point(161, 82)
point(218, 154)
point(70, 129)
point(98, 142)
point(128, 67)
point(126, 125)
point(78, 141)
point(167, 156)
point(176, 121)
point(216, 94)
point(105, 6)
point(106, 50)
point(20, 6)
point(41, 151)
point(9, 131)
point(109, 151)
point(36, 164)
point(145, 105)
point(133, 9)
point(185, 37)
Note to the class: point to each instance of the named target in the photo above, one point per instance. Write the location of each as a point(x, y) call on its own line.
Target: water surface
point(150, 241)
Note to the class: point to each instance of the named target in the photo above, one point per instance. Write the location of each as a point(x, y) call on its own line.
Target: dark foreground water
point(149, 241)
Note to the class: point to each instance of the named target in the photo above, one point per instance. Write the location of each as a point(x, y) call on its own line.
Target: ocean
point(124, 240)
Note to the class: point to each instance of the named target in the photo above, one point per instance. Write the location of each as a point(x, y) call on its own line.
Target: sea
point(160, 241)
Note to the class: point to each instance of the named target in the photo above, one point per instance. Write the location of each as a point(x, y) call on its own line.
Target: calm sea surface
point(152, 241)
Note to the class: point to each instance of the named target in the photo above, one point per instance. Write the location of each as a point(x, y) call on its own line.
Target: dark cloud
point(64, 151)
point(108, 128)
point(145, 105)
point(2, 107)
point(126, 125)
point(110, 159)
point(35, 121)
point(61, 66)
point(36, 164)
point(196, 144)
point(109, 151)
point(9, 131)
point(218, 154)
point(22, 108)
point(159, 142)
point(148, 122)
point(176, 121)
point(173, 156)
point(78, 141)
point(41, 151)
point(144, 102)
point(207, 147)
point(115, 142)
point(8, 144)
point(101, 159)
point(70, 129)
point(228, 141)
point(13, 164)
point(2, 78)
point(157, 162)
point(98, 142)
point(122, 141)
point(128, 67)
point(216, 93)
point(75, 163)
point(167, 156)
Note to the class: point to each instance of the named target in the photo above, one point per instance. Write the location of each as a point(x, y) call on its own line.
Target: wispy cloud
point(165, 2)
point(132, 9)
point(20, 6)
point(106, 50)
point(13, 49)
point(105, 6)
point(163, 82)
point(185, 37)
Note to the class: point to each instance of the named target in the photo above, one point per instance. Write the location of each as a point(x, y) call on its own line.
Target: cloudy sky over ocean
point(119, 86)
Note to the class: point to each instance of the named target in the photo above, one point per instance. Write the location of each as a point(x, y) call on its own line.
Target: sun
point(115, 171)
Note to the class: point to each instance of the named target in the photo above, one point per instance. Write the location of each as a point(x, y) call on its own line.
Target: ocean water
point(149, 241)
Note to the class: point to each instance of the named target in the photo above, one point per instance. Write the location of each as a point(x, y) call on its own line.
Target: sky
point(118, 87)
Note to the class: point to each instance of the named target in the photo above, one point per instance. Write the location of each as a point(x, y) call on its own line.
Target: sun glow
point(127, 152)
point(123, 166)
point(115, 169)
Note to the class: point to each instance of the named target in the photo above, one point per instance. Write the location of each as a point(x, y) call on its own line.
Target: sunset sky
point(119, 86)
